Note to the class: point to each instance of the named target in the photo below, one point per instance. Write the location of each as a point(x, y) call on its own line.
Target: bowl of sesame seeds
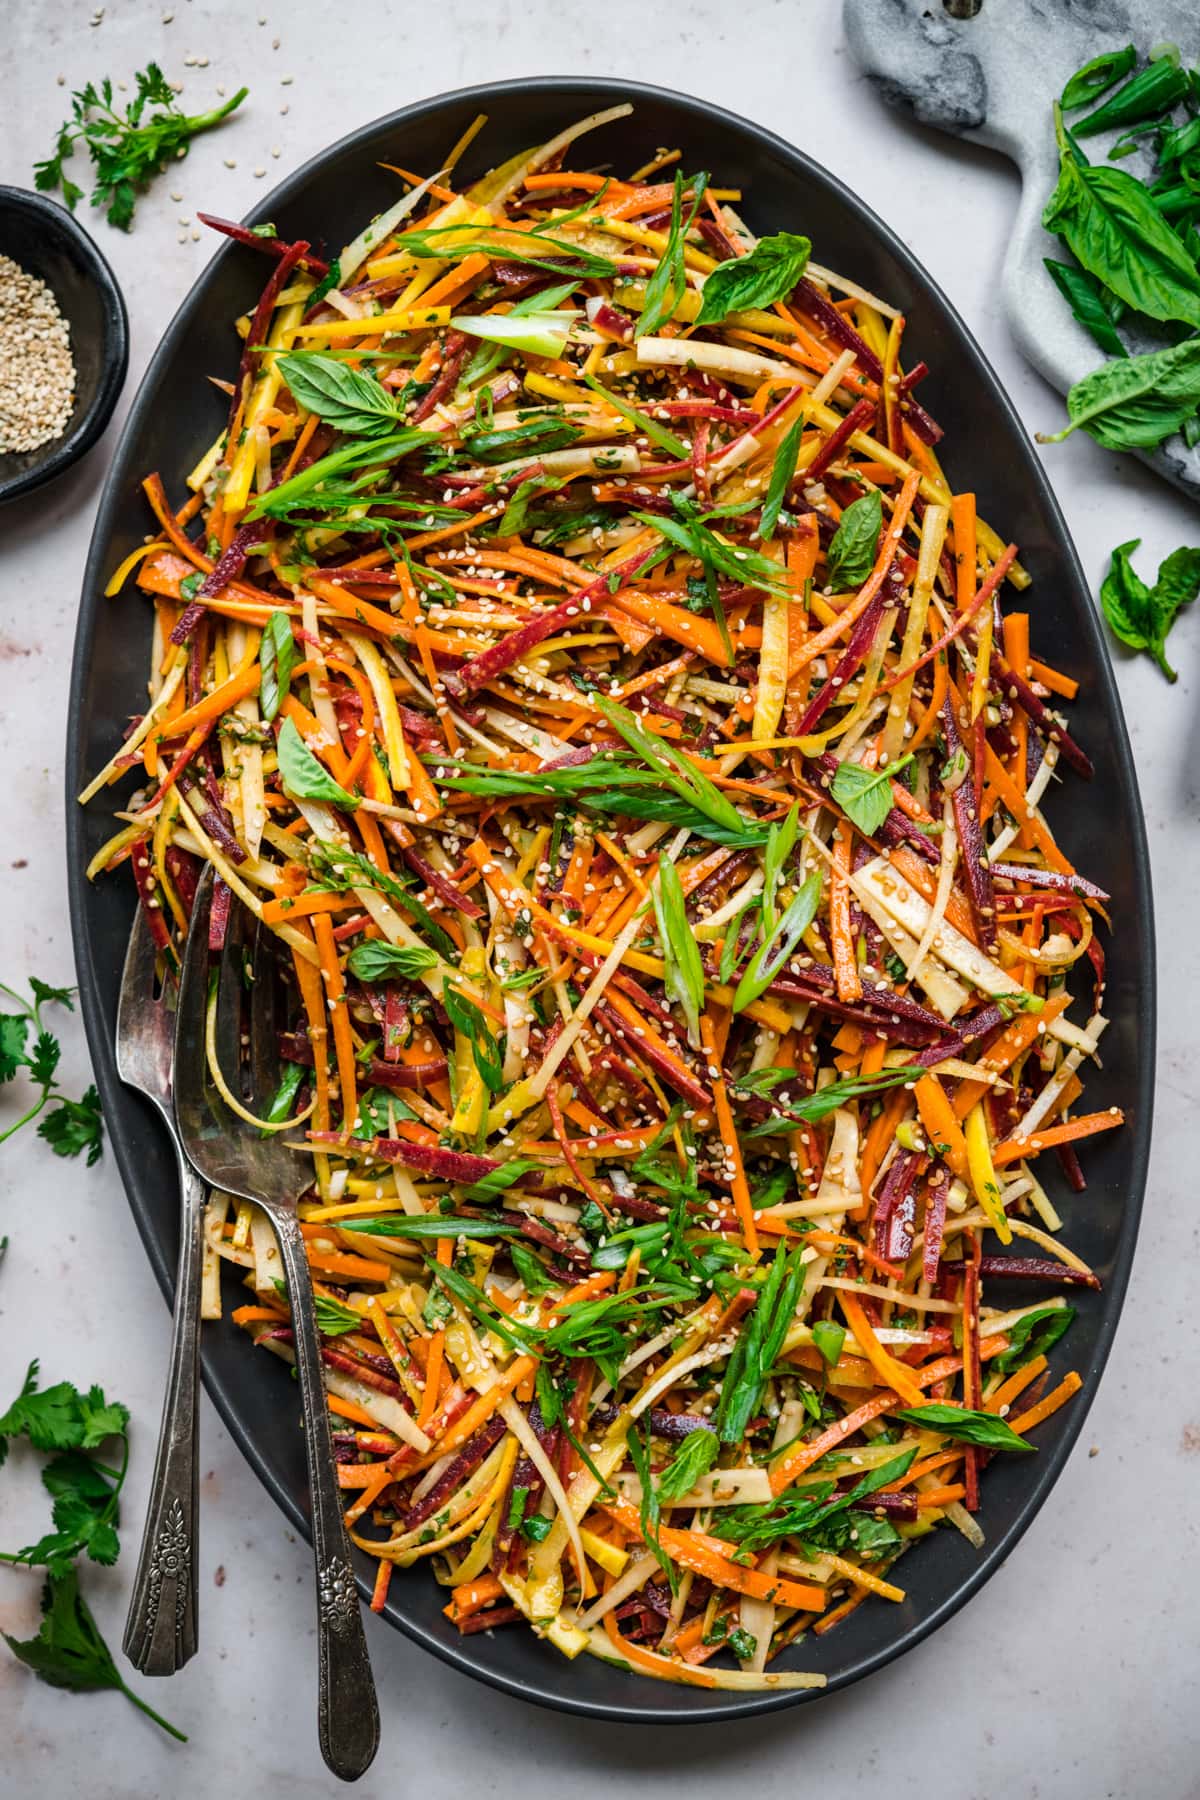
point(64, 341)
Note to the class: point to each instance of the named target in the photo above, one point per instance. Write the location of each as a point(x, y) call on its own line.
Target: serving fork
point(160, 1633)
point(231, 1154)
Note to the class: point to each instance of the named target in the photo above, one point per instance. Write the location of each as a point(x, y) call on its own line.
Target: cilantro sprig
point(127, 148)
point(70, 1126)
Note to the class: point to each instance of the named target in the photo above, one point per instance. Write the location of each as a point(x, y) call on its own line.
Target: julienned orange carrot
point(600, 1157)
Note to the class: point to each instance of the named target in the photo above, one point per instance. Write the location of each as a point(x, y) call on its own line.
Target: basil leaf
point(1114, 229)
point(529, 1268)
point(1141, 616)
point(828, 1339)
point(535, 333)
point(343, 397)
point(781, 477)
point(1135, 403)
point(769, 272)
point(776, 948)
point(694, 1458)
point(1032, 1336)
point(303, 776)
point(377, 961)
point(1095, 76)
point(865, 795)
point(987, 1431)
point(851, 555)
point(279, 657)
point(333, 1318)
point(668, 284)
point(1153, 91)
point(1085, 297)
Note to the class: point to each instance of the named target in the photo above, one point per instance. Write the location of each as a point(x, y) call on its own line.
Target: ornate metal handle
point(160, 1632)
point(348, 1712)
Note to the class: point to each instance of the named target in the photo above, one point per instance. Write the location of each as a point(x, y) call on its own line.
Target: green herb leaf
point(348, 399)
point(535, 248)
point(648, 427)
point(681, 775)
point(281, 1101)
point(533, 333)
point(379, 961)
point(69, 1652)
point(779, 944)
point(14, 1029)
point(338, 870)
point(758, 1345)
point(1114, 229)
point(828, 1339)
point(852, 552)
point(333, 1318)
point(684, 972)
point(865, 795)
point(466, 1017)
point(1135, 403)
point(531, 1270)
point(305, 488)
point(781, 841)
point(1095, 76)
point(1142, 616)
point(279, 657)
point(648, 1506)
point(515, 517)
point(303, 776)
point(534, 437)
point(668, 284)
point(126, 149)
point(1149, 94)
point(694, 1458)
point(768, 273)
point(1084, 295)
point(812, 1108)
point(427, 1225)
point(985, 1430)
point(74, 1126)
point(782, 471)
point(1034, 1335)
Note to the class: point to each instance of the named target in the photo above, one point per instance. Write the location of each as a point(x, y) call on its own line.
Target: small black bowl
point(44, 239)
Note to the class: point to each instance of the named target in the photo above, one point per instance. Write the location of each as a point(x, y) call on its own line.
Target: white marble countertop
point(1074, 1673)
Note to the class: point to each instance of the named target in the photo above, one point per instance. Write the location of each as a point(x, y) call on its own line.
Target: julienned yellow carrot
point(613, 819)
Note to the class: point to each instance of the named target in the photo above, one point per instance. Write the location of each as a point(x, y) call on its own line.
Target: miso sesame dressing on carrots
point(574, 653)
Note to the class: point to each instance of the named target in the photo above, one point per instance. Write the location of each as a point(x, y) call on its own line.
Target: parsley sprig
point(127, 148)
point(68, 1650)
point(70, 1126)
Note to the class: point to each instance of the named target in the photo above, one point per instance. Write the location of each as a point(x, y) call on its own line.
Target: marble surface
point(1073, 1674)
point(972, 77)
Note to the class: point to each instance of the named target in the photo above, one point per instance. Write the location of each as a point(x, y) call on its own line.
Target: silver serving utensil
point(160, 1632)
point(231, 1154)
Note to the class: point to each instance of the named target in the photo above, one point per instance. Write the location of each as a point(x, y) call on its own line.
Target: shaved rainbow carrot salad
point(573, 650)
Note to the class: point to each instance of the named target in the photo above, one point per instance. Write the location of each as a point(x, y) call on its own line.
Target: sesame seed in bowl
point(64, 341)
